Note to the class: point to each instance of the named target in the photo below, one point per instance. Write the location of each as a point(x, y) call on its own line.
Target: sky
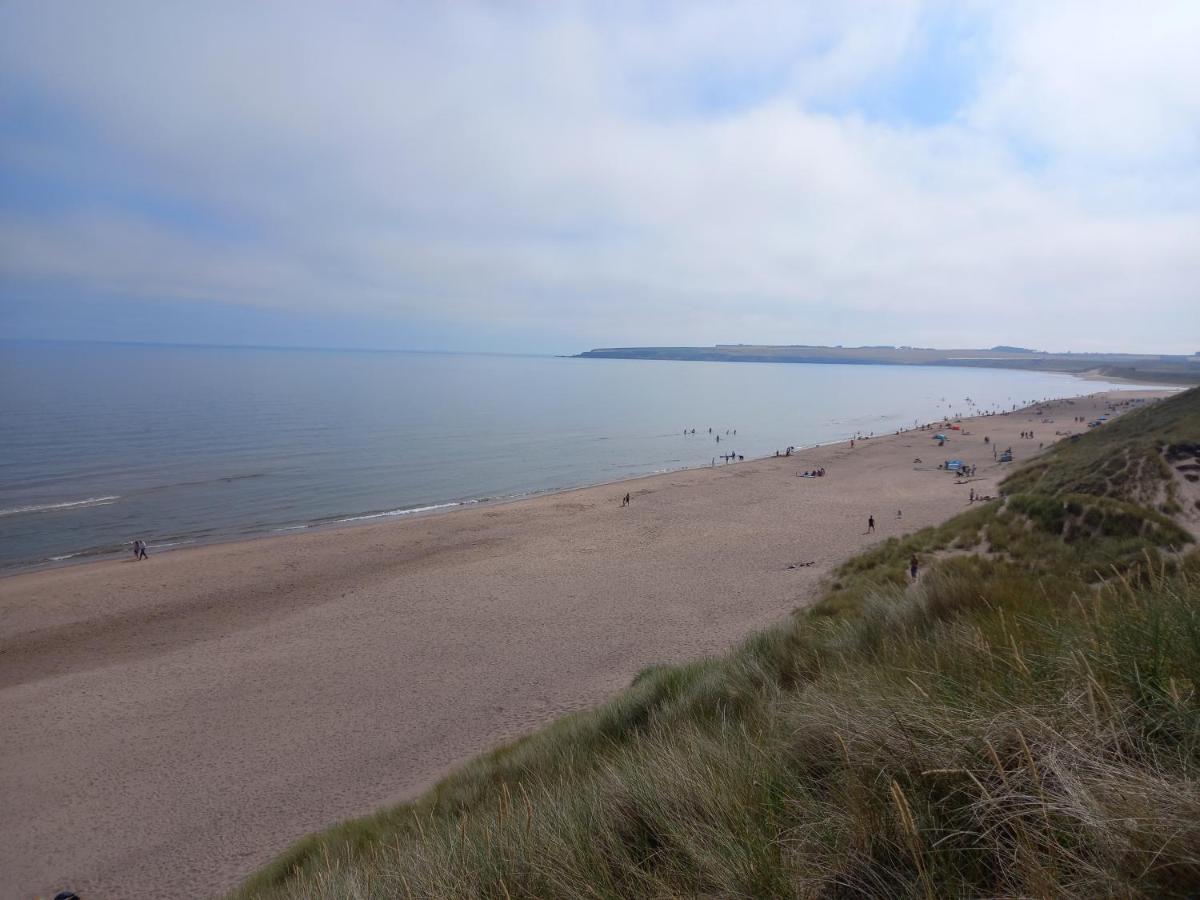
point(552, 177)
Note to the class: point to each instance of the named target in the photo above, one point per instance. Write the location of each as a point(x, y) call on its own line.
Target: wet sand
point(177, 722)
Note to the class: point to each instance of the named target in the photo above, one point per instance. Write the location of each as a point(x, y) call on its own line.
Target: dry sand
point(173, 724)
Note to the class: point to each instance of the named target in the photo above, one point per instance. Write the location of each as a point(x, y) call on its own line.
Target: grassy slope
point(1025, 721)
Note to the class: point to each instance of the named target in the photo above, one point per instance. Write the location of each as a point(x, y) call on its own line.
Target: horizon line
point(213, 346)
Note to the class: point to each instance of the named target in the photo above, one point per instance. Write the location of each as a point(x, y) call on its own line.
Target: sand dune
point(177, 722)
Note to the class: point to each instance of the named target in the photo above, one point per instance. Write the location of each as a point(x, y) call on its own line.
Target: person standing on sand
point(870, 524)
point(625, 502)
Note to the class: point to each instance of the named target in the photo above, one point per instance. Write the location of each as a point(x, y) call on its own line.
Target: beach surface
point(171, 725)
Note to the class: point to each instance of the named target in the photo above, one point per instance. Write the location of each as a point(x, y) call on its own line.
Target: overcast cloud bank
point(556, 177)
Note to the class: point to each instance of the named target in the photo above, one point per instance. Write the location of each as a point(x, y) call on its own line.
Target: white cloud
point(1098, 82)
point(623, 173)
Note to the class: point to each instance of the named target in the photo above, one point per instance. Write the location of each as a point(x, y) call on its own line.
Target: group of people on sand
point(139, 550)
point(815, 473)
point(1027, 435)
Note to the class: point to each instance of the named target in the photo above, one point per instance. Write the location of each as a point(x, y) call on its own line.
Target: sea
point(102, 444)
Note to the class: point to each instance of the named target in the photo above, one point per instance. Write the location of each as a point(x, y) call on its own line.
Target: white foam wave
point(48, 507)
point(167, 544)
point(398, 512)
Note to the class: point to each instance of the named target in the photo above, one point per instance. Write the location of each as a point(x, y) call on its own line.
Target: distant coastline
point(1132, 367)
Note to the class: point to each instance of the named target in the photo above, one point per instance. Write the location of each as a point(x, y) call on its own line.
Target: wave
point(50, 507)
point(385, 514)
point(86, 553)
point(166, 544)
point(400, 512)
point(109, 550)
point(642, 465)
point(214, 480)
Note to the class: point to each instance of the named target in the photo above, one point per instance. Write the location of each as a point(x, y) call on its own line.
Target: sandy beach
point(177, 722)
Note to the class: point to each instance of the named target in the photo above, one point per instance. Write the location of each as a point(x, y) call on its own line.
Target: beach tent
point(954, 465)
point(939, 437)
point(956, 428)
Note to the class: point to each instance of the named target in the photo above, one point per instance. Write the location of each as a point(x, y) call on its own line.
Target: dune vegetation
point(1023, 720)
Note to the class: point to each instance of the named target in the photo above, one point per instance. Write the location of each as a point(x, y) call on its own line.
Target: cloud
point(617, 173)
point(1097, 83)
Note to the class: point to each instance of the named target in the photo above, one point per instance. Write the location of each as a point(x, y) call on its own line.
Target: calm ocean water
point(182, 445)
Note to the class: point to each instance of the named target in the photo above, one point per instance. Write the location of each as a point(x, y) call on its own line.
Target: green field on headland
point(1023, 720)
point(1153, 368)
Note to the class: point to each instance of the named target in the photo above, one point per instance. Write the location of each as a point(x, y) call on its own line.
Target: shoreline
point(83, 558)
point(200, 712)
point(89, 557)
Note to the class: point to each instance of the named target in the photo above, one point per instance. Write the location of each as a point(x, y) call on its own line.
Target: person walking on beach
point(870, 524)
point(625, 500)
point(139, 550)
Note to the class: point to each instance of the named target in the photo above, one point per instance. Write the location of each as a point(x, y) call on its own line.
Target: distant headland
point(1136, 367)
